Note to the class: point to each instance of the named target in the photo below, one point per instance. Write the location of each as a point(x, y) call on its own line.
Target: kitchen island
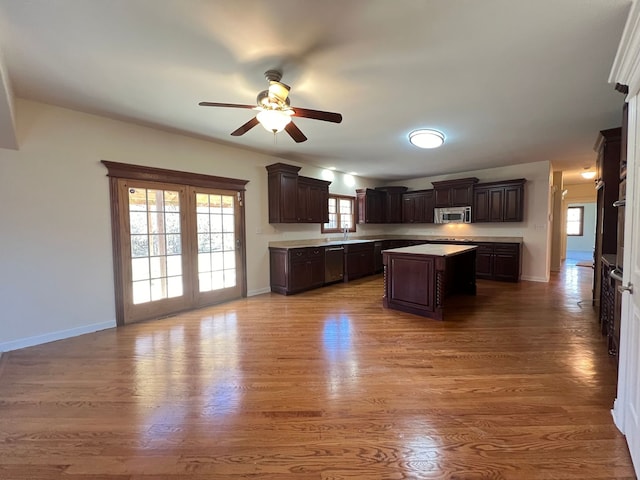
point(417, 279)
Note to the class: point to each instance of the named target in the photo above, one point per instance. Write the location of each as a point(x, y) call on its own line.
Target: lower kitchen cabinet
point(296, 269)
point(378, 267)
point(358, 260)
point(498, 261)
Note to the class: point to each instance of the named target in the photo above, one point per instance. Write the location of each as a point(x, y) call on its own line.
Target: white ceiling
point(507, 81)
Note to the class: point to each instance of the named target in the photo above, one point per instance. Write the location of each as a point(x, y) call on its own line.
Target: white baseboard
point(260, 291)
point(53, 336)
point(615, 413)
point(534, 279)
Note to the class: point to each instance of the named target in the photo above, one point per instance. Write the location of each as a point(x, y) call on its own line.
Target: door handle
point(626, 288)
point(619, 203)
point(616, 274)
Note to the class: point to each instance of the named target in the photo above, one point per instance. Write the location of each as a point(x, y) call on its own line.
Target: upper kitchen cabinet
point(454, 193)
point(499, 201)
point(313, 200)
point(392, 203)
point(371, 205)
point(417, 206)
point(296, 199)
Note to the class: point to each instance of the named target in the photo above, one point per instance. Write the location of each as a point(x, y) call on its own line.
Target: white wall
point(586, 242)
point(56, 276)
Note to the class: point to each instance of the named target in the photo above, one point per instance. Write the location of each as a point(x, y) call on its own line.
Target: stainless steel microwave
point(452, 215)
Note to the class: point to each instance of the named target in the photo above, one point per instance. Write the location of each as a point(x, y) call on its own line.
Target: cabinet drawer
point(305, 254)
point(506, 248)
point(358, 247)
point(485, 248)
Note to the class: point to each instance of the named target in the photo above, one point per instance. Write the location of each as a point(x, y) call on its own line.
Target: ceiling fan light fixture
point(273, 120)
point(588, 175)
point(279, 90)
point(426, 138)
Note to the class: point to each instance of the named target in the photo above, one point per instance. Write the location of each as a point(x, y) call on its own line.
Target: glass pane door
point(153, 257)
point(218, 246)
point(156, 246)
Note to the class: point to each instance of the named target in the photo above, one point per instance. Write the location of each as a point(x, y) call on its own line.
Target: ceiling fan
point(275, 111)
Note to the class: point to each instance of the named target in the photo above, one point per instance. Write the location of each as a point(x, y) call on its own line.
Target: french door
point(176, 246)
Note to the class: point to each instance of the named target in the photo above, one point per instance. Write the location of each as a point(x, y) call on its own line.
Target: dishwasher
point(333, 264)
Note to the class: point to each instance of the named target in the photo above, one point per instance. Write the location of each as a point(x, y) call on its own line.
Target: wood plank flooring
point(515, 384)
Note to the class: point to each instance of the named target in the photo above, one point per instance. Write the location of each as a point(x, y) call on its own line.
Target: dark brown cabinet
point(358, 260)
point(296, 199)
point(313, 200)
point(608, 147)
point(296, 269)
point(499, 201)
point(377, 257)
point(371, 205)
point(392, 204)
point(417, 206)
point(454, 193)
point(498, 261)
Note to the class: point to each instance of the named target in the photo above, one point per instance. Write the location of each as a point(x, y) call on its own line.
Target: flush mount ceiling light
point(426, 138)
point(588, 174)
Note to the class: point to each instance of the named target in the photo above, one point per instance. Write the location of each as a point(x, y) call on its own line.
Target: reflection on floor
point(516, 384)
point(579, 257)
point(577, 279)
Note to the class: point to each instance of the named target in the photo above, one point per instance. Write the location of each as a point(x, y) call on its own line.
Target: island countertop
point(436, 250)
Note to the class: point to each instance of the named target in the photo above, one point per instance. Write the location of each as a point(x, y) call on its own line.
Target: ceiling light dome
point(426, 138)
point(273, 120)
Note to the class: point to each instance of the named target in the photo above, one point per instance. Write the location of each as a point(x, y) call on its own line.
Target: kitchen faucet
point(345, 232)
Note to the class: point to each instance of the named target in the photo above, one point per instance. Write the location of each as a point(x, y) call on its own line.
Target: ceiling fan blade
point(232, 105)
point(246, 127)
point(295, 132)
point(317, 115)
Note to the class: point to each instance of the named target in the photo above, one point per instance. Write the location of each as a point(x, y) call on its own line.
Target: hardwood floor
point(515, 384)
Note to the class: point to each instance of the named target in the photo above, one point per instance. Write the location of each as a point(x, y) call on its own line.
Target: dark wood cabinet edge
point(282, 168)
point(517, 181)
point(455, 182)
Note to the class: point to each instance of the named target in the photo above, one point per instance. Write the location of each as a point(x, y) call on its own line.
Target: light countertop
point(432, 238)
point(435, 250)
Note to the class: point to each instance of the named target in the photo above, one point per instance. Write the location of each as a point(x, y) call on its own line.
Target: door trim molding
point(123, 171)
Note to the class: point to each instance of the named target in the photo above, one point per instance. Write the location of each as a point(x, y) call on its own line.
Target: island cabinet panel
point(296, 199)
point(454, 193)
point(296, 269)
point(358, 260)
point(499, 201)
point(417, 206)
point(371, 205)
point(411, 283)
point(417, 279)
